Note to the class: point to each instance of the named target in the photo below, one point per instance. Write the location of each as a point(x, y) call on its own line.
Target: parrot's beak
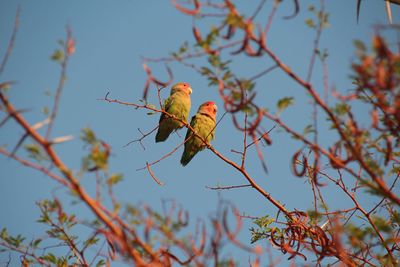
point(190, 90)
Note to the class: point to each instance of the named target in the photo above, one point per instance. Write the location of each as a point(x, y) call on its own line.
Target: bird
point(177, 104)
point(203, 123)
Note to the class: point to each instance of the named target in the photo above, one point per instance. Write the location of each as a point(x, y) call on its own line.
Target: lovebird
point(203, 123)
point(177, 104)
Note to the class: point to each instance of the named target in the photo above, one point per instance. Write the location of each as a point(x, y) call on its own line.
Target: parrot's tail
point(164, 130)
point(187, 157)
point(161, 136)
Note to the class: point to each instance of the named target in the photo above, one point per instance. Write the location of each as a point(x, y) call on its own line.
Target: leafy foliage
point(362, 162)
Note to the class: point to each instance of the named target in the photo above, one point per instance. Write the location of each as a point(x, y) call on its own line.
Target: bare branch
point(11, 43)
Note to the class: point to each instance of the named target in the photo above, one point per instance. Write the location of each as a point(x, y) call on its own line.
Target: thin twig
point(144, 135)
point(36, 167)
point(153, 176)
point(210, 147)
point(317, 39)
point(244, 141)
point(380, 202)
point(227, 187)
point(73, 181)
point(258, 9)
point(261, 137)
point(262, 73)
point(11, 43)
point(336, 123)
point(61, 83)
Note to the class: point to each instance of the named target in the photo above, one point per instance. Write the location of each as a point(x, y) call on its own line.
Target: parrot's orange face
point(182, 87)
point(209, 108)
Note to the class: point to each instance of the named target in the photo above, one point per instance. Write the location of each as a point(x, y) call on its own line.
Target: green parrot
point(203, 123)
point(177, 104)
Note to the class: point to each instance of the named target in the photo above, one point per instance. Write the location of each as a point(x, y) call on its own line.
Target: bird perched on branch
point(203, 123)
point(177, 104)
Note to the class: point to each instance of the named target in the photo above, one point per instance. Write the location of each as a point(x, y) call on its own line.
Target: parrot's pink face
point(182, 87)
point(209, 108)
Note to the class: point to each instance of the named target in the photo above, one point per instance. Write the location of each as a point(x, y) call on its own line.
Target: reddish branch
point(254, 44)
point(210, 147)
point(67, 173)
point(248, 28)
point(298, 231)
point(35, 166)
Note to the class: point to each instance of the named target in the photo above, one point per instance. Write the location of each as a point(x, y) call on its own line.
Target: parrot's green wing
point(189, 132)
point(204, 126)
point(167, 105)
point(178, 105)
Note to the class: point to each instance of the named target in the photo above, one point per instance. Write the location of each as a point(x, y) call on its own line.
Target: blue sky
point(111, 36)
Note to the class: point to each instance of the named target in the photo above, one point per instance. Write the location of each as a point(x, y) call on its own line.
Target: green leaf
point(314, 215)
point(395, 217)
point(322, 55)
point(184, 47)
point(5, 86)
point(4, 234)
point(88, 136)
point(35, 243)
point(325, 20)
point(233, 19)
point(32, 148)
point(214, 60)
point(310, 23)
point(263, 222)
point(114, 179)
point(91, 241)
point(62, 262)
point(99, 157)
point(211, 36)
point(395, 170)
point(50, 257)
point(100, 263)
point(45, 110)
point(58, 56)
point(374, 166)
point(263, 231)
point(35, 152)
point(360, 46)
point(227, 75)
point(205, 71)
point(62, 218)
point(284, 103)
point(247, 84)
point(151, 106)
point(16, 241)
point(308, 129)
point(341, 109)
point(382, 224)
point(251, 111)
